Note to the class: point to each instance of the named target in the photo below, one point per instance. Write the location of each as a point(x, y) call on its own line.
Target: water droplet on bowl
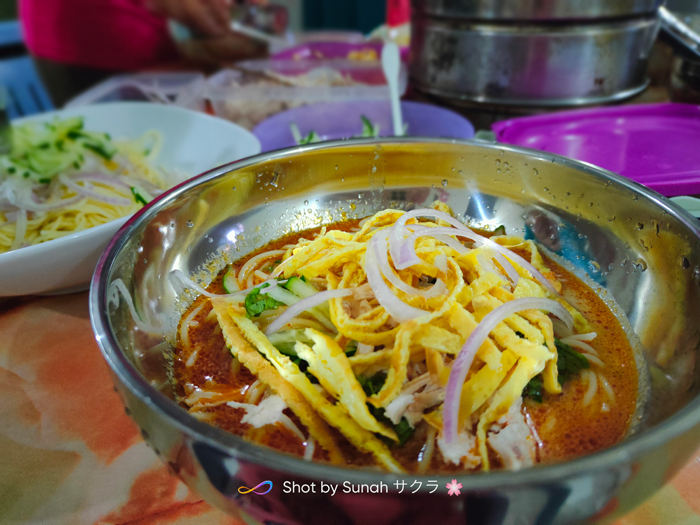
point(444, 182)
point(190, 224)
point(641, 264)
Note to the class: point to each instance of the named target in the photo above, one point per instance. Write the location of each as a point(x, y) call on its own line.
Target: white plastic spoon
point(391, 64)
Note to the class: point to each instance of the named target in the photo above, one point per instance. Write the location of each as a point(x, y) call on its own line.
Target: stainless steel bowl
point(530, 64)
point(642, 248)
point(536, 9)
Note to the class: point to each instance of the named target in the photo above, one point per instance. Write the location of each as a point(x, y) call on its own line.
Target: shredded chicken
point(463, 450)
point(512, 440)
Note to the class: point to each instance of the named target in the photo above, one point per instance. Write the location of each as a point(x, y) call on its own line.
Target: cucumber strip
point(229, 282)
point(140, 199)
point(305, 289)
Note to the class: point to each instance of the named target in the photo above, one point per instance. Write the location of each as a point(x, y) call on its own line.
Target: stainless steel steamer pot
point(533, 53)
point(643, 249)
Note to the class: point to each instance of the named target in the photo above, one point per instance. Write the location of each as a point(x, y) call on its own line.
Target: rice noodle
point(20, 229)
point(593, 359)
point(584, 337)
point(254, 392)
point(426, 454)
point(185, 327)
point(309, 449)
point(606, 386)
point(576, 343)
point(289, 424)
point(592, 379)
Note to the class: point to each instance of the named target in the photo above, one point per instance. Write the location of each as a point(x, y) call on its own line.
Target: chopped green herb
point(403, 430)
point(138, 197)
point(520, 334)
point(372, 385)
point(257, 303)
point(533, 389)
point(569, 362)
point(44, 181)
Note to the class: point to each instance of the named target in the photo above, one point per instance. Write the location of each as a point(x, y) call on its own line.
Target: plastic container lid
point(653, 144)
point(339, 120)
point(183, 89)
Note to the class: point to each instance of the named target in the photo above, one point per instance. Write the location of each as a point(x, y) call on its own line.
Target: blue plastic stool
point(26, 93)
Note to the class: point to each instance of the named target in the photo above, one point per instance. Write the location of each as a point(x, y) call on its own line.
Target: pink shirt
point(105, 34)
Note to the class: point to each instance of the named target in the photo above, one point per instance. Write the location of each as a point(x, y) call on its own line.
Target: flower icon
point(453, 488)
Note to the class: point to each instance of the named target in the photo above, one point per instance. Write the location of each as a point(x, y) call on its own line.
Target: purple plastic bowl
point(339, 120)
point(654, 144)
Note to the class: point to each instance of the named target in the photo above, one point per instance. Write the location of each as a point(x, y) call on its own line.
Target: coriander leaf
point(257, 303)
point(372, 385)
point(569, 362)
point(533, 389)
point(403, 430)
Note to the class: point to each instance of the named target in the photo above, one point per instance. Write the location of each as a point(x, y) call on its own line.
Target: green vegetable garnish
point(533, 389)
point(372, 385)
point(138, 197)
point(501, 230)
point(351, 348)
point(257, 303)
point(569, 364)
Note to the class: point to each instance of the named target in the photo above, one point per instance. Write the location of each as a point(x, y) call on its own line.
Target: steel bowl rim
point(236, 447)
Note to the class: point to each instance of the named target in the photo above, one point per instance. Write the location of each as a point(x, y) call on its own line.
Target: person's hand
point(206, 17)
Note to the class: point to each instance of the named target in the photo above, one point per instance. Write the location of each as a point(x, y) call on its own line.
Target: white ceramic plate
point(192, 144)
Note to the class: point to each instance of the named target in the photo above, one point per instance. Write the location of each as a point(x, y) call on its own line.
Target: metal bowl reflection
point(640, 247)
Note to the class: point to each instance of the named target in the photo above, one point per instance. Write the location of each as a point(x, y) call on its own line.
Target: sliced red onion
point(102, 178)
point(32, 203)
point(87, 192)
point(439, 288)
point(464, 359)
point(303, 305)
point(394, 306)
point(501, 253)
point(405, 259)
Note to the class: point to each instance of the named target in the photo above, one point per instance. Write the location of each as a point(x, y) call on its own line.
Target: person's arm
point(207, 17)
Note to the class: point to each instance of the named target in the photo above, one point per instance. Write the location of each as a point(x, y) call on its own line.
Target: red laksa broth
point(410, 343)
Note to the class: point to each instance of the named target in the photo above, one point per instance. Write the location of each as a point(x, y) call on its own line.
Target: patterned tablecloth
point(69, 454)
